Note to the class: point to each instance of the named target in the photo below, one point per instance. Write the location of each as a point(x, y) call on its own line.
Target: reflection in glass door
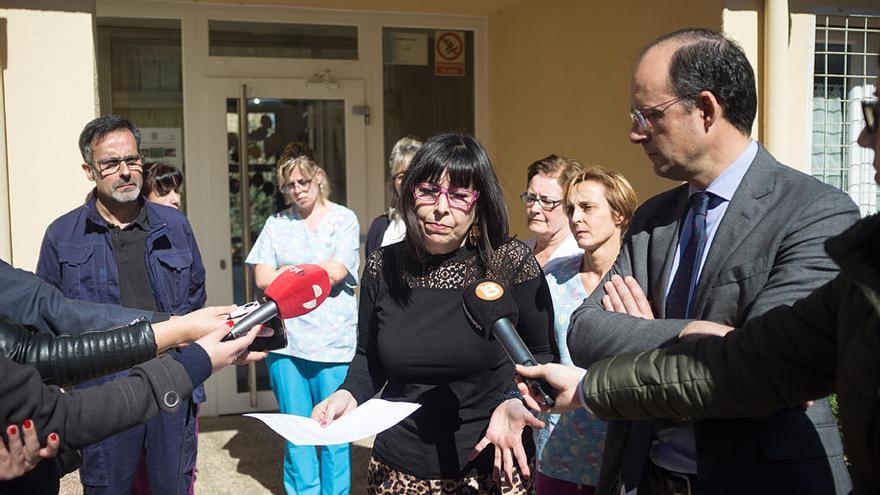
point(277, 112)
point(273, 123)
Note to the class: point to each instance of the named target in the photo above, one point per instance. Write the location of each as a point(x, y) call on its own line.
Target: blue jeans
point(299, 384)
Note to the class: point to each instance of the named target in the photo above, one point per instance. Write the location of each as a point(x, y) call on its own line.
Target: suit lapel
point(663, 245)
point(743, 214)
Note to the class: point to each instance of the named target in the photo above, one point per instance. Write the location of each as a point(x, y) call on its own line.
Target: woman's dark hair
point(161, 177)
point(298, 149)
point(466, 162)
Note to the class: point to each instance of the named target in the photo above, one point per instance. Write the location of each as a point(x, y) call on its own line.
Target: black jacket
point(27, 300)
point(69, 359)
point(84, 416)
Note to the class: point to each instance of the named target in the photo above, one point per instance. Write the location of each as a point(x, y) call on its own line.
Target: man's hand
point(702, 328)
point(564, 380)
point(626, 296)
point(24, 451)
point(505, 432)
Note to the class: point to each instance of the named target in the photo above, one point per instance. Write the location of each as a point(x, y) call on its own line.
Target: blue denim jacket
point(77, 257)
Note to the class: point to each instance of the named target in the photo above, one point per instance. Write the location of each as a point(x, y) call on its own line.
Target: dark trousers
point(168, 443)
point(659, 481)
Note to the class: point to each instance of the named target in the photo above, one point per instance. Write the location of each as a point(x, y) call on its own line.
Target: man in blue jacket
point(119, 249)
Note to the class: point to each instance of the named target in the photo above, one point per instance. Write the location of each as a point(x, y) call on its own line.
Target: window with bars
point(844, 75)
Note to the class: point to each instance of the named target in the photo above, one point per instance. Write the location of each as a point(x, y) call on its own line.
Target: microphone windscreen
point(299, 290)
point(487, 301)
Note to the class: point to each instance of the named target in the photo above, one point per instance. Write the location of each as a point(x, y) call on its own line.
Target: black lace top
point(415, 340)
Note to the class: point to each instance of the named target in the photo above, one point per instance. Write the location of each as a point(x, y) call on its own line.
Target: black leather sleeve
point(69, 359)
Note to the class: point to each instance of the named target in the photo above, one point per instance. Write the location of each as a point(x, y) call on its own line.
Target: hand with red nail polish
point(21, 451)
point(182, 330)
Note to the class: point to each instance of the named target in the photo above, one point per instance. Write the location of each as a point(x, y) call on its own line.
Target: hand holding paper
point(368, 419)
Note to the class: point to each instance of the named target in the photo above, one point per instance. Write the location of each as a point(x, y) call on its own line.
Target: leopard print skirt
point(385, 480)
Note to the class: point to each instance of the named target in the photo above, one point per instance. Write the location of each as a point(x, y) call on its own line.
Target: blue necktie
point(680, 299)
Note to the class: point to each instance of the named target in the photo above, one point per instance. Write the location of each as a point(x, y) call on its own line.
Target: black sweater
point(414, 339)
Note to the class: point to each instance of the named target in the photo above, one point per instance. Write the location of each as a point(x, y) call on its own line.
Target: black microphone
point(488, 305)
point(264, 312)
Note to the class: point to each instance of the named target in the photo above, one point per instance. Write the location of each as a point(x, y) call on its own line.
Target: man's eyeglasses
point(111, 166)
point(643, 117)
point(545, 204)
point(292, 186)
point(871, 111)
point(459, 198)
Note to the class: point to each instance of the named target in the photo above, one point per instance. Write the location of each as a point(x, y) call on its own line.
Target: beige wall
point(744, 21)
point(49, 93)
point(559, 83)
point(455, 7)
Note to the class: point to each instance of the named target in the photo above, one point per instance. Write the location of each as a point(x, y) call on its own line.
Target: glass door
point(242, 150)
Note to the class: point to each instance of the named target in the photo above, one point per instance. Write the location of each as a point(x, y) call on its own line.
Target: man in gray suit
point(742, 235)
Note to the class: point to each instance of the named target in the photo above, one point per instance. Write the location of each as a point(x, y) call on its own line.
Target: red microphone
point(297, 291)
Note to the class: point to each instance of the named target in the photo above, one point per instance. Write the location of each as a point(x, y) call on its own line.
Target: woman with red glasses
point(416, 341)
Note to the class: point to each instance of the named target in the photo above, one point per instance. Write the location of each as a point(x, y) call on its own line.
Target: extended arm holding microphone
point(295, 292)
point(494, 311)
point(491, 309)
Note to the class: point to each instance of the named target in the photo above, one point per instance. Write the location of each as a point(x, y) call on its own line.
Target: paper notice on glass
point(368, 419)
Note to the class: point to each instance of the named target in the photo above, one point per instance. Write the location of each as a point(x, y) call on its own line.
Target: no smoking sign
point(449, 51)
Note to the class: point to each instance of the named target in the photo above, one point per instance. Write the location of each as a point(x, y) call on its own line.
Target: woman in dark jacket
point(416, 344)
point(68, 359)
point(84, 416)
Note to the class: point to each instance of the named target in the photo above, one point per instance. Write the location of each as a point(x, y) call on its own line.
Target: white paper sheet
point(368, 419)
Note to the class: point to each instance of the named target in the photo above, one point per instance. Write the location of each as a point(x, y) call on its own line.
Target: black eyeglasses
point(642, 117)
point(545, 204)
point(111, 166)
point(871, 111)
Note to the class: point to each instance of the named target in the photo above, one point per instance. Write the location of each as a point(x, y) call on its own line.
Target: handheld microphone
point(293, 293)
point(491, 308)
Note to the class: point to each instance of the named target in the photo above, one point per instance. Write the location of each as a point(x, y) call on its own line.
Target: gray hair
point(404, 148)
point(95, 131)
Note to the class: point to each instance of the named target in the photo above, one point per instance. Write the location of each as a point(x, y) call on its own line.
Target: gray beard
point(126, 197)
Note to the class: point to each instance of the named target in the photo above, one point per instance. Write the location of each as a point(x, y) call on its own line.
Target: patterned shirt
point(570, 446)
point(329, 333)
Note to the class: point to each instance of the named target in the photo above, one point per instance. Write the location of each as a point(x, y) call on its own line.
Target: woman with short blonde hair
point(619, 192)
point(598, 204)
